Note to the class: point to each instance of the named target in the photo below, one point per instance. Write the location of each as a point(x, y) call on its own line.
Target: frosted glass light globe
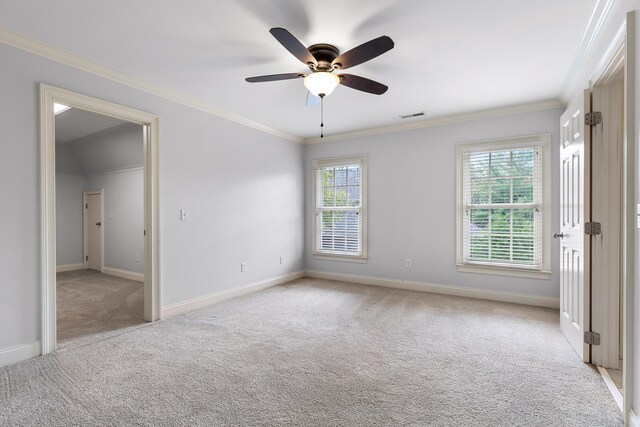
point(321, 83)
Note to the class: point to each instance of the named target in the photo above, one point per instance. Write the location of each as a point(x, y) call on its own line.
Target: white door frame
point(607, 207)
point(85, 227)
point(150, 122)
point(621, 54)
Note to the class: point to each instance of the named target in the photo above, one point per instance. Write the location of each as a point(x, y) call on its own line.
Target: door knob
point(98, 224)
point(558, 235)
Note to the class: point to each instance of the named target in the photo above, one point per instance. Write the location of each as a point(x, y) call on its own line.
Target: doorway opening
point(99, 217)
point(99, 225)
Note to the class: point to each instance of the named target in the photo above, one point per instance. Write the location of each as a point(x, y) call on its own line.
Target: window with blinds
point(503, 205)
point(339, 216)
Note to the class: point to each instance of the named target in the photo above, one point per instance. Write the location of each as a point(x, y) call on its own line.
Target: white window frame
point(543, 140)
point(334, 162)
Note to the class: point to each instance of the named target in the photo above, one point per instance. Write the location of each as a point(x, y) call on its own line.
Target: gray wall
point(412, 202)
point(109, 149)
point(66, 162)
point(69, 243)
point(123, 217)
point(243, 188)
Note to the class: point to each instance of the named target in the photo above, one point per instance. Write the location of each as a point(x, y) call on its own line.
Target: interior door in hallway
point(574, 200)
point(93, 230)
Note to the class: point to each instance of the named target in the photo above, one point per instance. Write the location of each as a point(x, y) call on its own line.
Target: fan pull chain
point(321, 115)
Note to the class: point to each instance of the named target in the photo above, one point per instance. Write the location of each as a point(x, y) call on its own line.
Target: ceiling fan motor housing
point(325, 54)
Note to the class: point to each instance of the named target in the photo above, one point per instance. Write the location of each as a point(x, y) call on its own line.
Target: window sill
point(504, 271)
point(342, 258)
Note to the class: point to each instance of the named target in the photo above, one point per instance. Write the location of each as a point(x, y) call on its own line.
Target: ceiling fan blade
point(363, 53)
point(274, 77)
point(363, 84)
point(293, 45)
point(312, 100)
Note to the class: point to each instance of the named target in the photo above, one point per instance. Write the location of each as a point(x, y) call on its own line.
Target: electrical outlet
point(407, 263)
point(184, 214)
point(281, 259)
point(243, 267)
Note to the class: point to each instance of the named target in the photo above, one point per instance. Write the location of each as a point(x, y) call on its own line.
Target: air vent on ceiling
point(408, 116)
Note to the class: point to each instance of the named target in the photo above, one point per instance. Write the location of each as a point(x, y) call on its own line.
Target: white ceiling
point(74, 123)
point(452, 56)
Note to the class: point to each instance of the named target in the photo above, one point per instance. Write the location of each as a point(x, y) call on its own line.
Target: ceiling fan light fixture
point(321, 83)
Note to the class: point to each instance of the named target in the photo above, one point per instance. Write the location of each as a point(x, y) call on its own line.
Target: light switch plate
point(184, 214)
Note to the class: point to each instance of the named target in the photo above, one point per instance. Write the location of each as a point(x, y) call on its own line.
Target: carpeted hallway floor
point(92, 306)
point(320, 353)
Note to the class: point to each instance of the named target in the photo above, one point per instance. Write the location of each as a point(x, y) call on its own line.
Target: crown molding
point(441, 121)
point(600, 15)
point(44, 50)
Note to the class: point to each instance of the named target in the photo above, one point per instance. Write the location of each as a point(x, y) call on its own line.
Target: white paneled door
point(574, 200)
point(93, 230)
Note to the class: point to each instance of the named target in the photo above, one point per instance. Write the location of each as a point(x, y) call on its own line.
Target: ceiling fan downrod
point(322, 115)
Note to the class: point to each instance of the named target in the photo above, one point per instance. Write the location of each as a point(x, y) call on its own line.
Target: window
point(503, 206)
point(339, 197)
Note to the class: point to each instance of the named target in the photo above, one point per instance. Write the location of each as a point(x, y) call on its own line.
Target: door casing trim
point(150, 122)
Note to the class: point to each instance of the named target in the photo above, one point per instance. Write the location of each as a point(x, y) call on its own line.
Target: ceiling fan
point(323, 59)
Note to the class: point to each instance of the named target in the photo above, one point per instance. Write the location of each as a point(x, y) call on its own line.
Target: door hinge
point(593, 118)
point(591, 338)
point(592, 228)
point(144, 233)
point(86, 205)
point(86, 258)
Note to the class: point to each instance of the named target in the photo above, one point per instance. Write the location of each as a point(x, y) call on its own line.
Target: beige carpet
point(319, 353)
point(92, 306)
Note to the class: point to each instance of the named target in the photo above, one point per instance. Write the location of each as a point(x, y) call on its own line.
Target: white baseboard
point(611, 385)
point(138, 277)
point(195, 303)
point(11, 355)
point(535, 300)
point(634, 420)
point(69, 267)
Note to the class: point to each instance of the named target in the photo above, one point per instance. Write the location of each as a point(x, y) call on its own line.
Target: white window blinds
point(338, 203)
point(503, 207)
